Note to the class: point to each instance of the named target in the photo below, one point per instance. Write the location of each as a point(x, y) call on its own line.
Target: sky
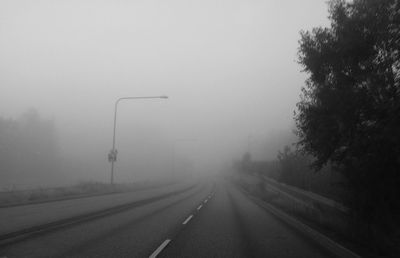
point(228, 67)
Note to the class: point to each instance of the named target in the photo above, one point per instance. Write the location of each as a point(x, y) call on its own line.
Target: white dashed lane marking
point(160, 248)
point(187, 220)
point(166, 242)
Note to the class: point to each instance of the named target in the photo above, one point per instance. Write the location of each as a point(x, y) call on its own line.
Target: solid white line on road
point(187, 220)
point(205, 201)
point(160, 248)
point(198, 208)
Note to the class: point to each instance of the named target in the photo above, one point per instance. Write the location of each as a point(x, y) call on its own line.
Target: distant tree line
point(293, 168)
point(28, 148)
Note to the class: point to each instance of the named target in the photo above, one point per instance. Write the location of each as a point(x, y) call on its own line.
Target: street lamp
point(112, 156)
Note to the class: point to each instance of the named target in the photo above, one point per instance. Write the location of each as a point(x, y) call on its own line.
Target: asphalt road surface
point(211, 219)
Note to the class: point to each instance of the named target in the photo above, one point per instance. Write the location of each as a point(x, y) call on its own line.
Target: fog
point(228, 67)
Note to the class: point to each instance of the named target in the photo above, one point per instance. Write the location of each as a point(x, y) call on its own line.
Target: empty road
point(207, 219)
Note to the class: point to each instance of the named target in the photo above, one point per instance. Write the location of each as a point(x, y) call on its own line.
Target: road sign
point(112, 155)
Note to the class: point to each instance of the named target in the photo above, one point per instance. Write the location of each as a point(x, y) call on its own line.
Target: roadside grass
point(15, 197)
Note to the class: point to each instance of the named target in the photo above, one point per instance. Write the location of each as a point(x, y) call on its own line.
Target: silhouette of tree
point(349, 112)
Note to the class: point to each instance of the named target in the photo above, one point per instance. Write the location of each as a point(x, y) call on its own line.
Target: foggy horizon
point(229, 69)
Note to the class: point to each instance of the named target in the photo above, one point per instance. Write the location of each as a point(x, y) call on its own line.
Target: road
point(211, 219)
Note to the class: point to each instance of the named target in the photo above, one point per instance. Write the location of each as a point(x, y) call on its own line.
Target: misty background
point(228, 68)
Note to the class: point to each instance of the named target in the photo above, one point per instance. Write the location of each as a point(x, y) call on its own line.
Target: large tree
point(349, 112)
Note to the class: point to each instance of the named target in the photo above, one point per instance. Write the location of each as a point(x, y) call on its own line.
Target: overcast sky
point(229, 68)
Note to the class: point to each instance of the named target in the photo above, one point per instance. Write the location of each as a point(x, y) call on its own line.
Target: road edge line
point(12, 236)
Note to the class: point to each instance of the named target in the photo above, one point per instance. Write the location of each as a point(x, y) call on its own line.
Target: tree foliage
point(349, 112)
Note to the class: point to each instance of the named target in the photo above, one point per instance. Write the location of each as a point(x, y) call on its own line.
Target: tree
point(349, 112)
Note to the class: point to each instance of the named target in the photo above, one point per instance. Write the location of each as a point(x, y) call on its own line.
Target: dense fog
point(229, 69)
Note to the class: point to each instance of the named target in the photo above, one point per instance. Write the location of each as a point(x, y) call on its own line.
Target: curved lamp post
point(112, 156)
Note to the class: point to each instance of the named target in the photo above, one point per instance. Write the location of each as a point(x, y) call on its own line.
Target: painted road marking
point(187, 220)
point(160, 248)
point(198, 208)
point(205, 201)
